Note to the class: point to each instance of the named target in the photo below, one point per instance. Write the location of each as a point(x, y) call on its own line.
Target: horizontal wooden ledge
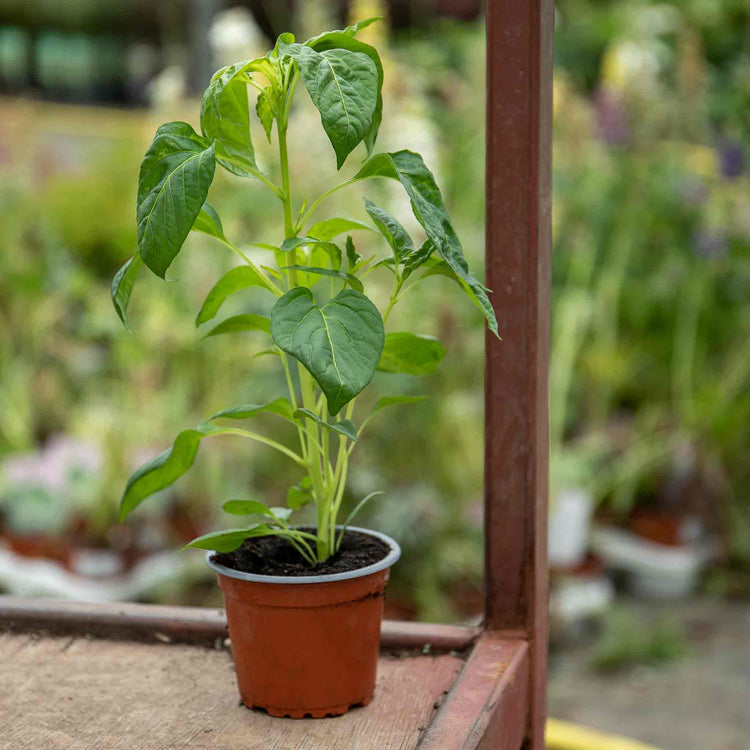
point(200, 625)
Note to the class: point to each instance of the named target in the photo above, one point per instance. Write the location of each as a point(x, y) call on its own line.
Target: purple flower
point(708, 243)
point(731, 158)
point(611, 120)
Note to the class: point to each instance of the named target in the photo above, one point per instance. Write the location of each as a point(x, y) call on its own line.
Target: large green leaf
point(175, 175)
point(344, 427)
point(395, 235)
point(411, 354)
point(122, 286)
point(280, 406)
point(339, 344)
point(232, 281)
point(330, 228)
point(241, 323)
point(427, 204)
point(345, 40)
point(343, 85)
point(165, 469)
point(225, 117)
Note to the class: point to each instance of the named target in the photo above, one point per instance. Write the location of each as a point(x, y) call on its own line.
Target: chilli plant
point(329, 337)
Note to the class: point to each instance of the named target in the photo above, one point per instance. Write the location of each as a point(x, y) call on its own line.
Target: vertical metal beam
point(518, 185)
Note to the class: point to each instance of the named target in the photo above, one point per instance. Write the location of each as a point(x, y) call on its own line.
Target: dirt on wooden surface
point(274, 556)
point(699, 702)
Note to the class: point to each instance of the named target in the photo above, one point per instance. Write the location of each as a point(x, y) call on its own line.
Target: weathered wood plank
point(487, 706)
point(518, 244)
point(189, 624)
point(92, 694)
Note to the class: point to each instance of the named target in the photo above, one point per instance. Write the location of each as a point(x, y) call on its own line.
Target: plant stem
point(322, 197)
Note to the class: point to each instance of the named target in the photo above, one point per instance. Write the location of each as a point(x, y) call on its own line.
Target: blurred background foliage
point(650, 372)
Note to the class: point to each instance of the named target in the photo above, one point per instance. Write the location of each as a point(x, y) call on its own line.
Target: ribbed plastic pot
point(306, 646)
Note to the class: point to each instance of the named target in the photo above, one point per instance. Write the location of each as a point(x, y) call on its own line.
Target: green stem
point(266, 441)
point(397, 283)
point(263, 275)
point(322, 197)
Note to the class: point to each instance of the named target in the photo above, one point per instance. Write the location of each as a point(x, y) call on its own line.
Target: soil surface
point(273, 556)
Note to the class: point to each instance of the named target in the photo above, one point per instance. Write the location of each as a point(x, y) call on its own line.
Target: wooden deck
point(154, 683)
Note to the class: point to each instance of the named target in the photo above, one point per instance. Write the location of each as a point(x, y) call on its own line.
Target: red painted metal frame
point(518, 189)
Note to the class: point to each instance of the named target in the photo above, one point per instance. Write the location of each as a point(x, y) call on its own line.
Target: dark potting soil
point(273, 556)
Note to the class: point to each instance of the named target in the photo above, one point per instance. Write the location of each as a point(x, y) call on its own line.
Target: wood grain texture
point(487, 706)
point(92, 694)
point(518, 244)
point(155, 622)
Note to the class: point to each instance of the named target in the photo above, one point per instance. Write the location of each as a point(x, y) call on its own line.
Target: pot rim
point(389, 560)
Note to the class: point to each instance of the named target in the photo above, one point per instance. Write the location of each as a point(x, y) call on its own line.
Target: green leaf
point(232, 281)
point(280, 406)
point(253, 507)
point(386, 401)
point(330, 228)
point(122, 287)
point(174, 178)
point(395, 235)
point(225, 118)
point(331, 248)
point(343, 86)
point(358, 507)
point(228, 540)
point(352, 30)
point(344, 40)
point(239, 323)
point(299, 495)
point(353, 281)
point(246, 508)
point(165, 469)
point(208, 222)
point(427, 204)
point(411, 354)
point(339, 344)
point(265, 111)
point(359, 25)
point(352, 256)
point(418, 258)
point(268, 352)
point(345, 426)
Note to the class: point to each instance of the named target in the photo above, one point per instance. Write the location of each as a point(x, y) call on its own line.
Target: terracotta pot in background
point(40, 546)
point(306, 646)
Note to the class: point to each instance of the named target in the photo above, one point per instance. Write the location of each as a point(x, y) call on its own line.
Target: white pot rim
point(389, 560)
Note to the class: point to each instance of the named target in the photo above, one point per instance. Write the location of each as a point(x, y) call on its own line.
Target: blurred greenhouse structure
point(650, 376)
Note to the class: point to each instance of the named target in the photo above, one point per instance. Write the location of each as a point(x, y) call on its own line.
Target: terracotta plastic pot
point(306, 646)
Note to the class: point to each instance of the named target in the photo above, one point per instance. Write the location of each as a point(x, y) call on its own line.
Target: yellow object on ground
point(562, 735)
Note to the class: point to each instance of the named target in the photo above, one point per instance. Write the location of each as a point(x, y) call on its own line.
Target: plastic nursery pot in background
point(306, 646)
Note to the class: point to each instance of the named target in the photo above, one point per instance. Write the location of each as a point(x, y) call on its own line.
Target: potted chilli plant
point(304, 604)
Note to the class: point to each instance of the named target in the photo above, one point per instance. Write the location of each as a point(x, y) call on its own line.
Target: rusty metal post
point(518, 185)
